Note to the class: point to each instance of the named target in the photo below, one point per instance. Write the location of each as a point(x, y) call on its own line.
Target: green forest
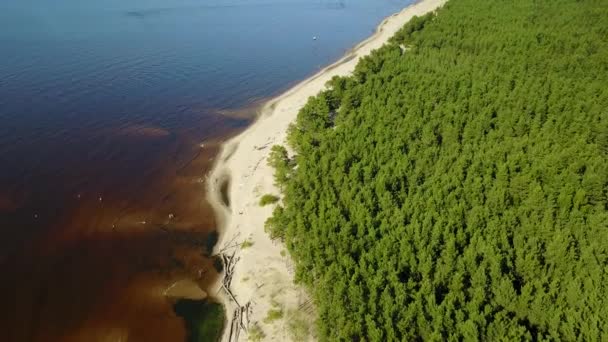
point(455, 186)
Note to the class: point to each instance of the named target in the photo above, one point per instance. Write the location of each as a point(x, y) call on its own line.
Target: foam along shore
point(260, 277)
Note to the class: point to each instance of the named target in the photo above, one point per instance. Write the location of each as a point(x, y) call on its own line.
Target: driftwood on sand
point(240, 315)
point(229, 261)
point(240, 321)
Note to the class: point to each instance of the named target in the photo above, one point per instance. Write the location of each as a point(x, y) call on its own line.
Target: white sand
point(262, 276)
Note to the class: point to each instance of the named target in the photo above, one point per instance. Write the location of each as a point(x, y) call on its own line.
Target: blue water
point(112, 99)
point(68, 65)
point(139, 56)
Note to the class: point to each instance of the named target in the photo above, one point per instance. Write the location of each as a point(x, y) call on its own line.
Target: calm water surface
point(104, 106)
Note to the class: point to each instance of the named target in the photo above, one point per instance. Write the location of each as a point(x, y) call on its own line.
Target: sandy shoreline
point(262, 278)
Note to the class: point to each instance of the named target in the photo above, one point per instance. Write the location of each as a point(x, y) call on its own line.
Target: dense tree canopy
point(458, 190)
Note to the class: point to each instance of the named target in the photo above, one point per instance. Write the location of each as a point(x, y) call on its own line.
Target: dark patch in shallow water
point(204, 319)
point(210, 242)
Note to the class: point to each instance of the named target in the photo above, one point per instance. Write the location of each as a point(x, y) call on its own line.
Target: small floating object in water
point(314, 37)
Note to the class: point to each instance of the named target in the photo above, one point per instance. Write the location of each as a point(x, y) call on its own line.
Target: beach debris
point(261, 147)
point(171, 216)
point(240, 316)
point(231, 244)
point(236, 325)
point(35, 216)
point(229, 261)
point(78, 196)
point(100, 199)
point(307, 306)
point(240, 212)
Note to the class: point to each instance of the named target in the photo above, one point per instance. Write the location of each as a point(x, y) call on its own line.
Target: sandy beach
point(261, 276)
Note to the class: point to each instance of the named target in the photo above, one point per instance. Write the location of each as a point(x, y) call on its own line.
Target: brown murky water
point(88, 248)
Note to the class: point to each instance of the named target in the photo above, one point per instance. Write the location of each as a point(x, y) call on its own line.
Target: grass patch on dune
point(268, 199)
point(255, 333)
point(246, 244)
point(273, 315)
point(298, 326)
